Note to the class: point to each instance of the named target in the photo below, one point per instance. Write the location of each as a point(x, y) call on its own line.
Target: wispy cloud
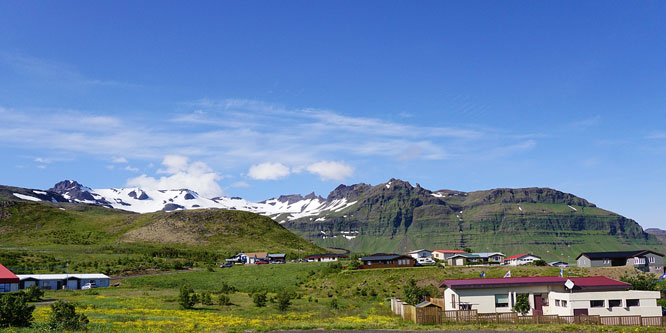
point(235, 134)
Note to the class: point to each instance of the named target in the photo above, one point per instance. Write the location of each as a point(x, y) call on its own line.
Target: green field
point(150, 303)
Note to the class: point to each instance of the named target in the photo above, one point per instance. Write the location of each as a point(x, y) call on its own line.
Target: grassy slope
point(83, 233)
point(150, 303)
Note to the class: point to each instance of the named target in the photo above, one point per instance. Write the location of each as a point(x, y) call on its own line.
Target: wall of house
point(393, 263)
point(581, 300)
point(8, 287)
point(483, 300)
point(584, 261)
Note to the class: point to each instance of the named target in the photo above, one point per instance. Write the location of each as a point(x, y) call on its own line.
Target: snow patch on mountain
point(26, 197)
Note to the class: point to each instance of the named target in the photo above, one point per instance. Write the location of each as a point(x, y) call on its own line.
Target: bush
point(641, 281)
point(64, 317)
point(354, 264)
point(283, 301)
point(205, 298)
point(259, 299)
point(224, 300)
point(187, 298)
point(539, 262)
point(34, 293)
point(522, 305)
point(15, 311)
point(413, 294)
point(225, 288)
point(334, 304)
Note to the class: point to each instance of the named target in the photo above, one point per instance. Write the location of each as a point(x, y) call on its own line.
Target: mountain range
point(396, 216)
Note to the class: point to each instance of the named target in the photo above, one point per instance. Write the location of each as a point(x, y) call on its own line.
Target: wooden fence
point(437, 315)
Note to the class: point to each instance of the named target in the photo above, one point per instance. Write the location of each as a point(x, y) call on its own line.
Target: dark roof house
point(383, 260)
point(643, 260)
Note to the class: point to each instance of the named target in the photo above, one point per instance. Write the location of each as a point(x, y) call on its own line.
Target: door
point(460, 262)
point(538, 305)
point(580, 312)
point(72, 284)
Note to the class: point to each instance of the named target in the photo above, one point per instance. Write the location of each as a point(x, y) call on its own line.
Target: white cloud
point(240, 184)
point(119, 160)
point(131, 168)
point(196, 176)
point(330, 170)
point(268, 171)
point(42, 160)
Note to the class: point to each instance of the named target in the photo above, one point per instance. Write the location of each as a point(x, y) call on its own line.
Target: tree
point(259, 299)
point(354, 264)
point(206, 299)
point(641, 281)
point(224, 300)
point(283, 301)
point(15, 311)
point(64, 317)
point(522, 305)
point(468, 250)
point(187, 298)
point(413, 294)
point(34, 293)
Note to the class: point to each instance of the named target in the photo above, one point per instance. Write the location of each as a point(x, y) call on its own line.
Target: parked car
point(261, 262)
point(227, 264)
point(88, 285)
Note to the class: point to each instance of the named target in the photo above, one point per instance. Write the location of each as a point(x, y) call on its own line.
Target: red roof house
point(6, 276)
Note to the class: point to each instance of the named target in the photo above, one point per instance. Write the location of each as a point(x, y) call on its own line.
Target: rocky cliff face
point(397, 216)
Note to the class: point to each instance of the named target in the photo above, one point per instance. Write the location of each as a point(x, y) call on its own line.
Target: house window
point(564, 303)
point(557, 302)
point(606, 261)
point(465, 306)
point(597, 304)
point(614, 303)
point(639, 261)
point(544, 299)
point(502, 301)
point(632, 302)
point(4, 287)
point(652, 260)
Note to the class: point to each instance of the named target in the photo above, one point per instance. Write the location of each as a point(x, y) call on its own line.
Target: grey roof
point(277, 255)
point(488, 254)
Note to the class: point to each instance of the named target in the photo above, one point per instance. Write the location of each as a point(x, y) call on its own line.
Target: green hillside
point(40, 234)
point(401, 217)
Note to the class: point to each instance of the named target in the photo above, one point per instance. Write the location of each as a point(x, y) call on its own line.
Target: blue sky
point(268, 98)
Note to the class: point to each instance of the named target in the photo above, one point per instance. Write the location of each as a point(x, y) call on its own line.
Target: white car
point(88, 286)
point(425, 261)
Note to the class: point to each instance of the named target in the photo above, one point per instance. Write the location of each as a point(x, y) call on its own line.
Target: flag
point(508, 274)
point(483, 274)
point(663, 276)
point(561, 272)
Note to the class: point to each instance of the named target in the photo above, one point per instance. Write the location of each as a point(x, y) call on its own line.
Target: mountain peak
point(72, 190)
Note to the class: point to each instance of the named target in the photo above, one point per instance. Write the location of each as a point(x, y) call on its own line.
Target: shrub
point(522, 305)
point(413, 294)
point(34, 293)
point(539, 262)
point(64, 317)
point(206, 299)
point(283, 301)
point(259, 299)
point(334, 304)
point(187, 298)
point(224, 300)
point(641, 281)
point(15, 311)
point(225, 288)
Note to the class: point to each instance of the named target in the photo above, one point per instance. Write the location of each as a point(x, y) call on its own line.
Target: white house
point(416, 254)
point(550, 295)
point(445, 254)
point(60, 281)
point(521, 259)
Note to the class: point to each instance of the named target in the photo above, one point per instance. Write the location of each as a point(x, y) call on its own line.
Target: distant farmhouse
point(643, 260)
point(443, 255)
point(383, 260)
point(422, 256)
point(521, 259)
point(324, 257)
point(480, 258)
point(63, 281)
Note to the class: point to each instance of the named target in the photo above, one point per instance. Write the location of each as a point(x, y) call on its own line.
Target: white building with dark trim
point(63, 281)
point(551, 295)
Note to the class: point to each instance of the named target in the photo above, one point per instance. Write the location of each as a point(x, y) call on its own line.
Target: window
point(564, 303)
point(614, 303)
point(597, 304)
point(557, 302)
point(639, 261)
point(544, 299)
point(632, 302)
point(606, 261)
point(652, 260)
point(5, 287)
point(465, 306)
point(502, 301)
